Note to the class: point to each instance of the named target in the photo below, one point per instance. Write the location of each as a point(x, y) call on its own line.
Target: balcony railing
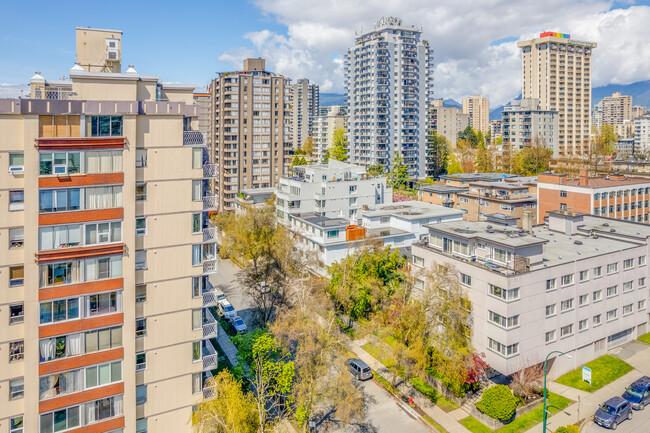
point(210, 202)
point(210, 233)
point(210, 325)
point(210, 356)
point(210, 297)
point(208, 390)
point(193, 138)
point(210, 266)
point(210, 170)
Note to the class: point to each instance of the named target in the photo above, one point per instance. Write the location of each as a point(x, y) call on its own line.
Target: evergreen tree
point(398, 176)
point(437, 155)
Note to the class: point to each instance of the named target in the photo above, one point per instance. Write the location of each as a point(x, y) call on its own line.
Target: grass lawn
point(645, 338)
point(604, 370)
point(386, 384)
point(379, 354)
point(524, 422)
point(433, 422)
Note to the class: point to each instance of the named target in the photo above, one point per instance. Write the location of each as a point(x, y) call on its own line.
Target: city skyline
point(310, 42)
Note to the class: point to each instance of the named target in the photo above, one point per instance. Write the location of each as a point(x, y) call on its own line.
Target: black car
point(638, 393)
point(614, 411)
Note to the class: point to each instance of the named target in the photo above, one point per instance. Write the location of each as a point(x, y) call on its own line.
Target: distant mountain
point(331, 99)
point(640, 92)
point(451, 103)
point(495, 113)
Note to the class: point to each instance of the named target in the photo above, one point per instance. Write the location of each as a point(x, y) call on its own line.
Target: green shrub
point(568, 429)
point(498, 402)
point(562, 430)
point(427, 390)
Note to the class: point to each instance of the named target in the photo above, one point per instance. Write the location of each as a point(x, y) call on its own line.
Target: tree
point(484, 159)
point(230, 410)
point(398, 175)
point(603, 144)
point(326, 156)
point(308, 146)
point(527, 382)
point(298, 160)
point(339, 145)
point(533, 159)
point(465, 155)
point(454, 165)
point(437, 155)
point(375, 170)
point(470, 135)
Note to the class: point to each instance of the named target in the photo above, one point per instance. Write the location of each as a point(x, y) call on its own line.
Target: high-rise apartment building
point(638, 111)
point(524, 123)
point(478, 109)
point(447, 121)
point(102, 319)
point(557, 71)
point(389, 81)
point(642, 135)
point(250, 129)
point(202, 101)
point(305, 108)
point(613, 110)
point(329, 119)
point(496, 129)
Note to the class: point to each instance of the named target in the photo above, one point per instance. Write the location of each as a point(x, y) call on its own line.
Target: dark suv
point(614, 411)
point(638, 393)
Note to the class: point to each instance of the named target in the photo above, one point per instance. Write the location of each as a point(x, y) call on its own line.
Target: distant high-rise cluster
point(304, 107)
point(478, 109)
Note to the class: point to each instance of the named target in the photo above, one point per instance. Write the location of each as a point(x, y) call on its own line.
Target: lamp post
point(544, 404)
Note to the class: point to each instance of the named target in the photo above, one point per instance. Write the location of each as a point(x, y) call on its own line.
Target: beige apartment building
point(329, 119)
point(251, 129)
point(106, 253)
point(615, 110)
point(478, 109)
point(557, 71)
point(447, 121)
point(202, 101)
point(305, 108)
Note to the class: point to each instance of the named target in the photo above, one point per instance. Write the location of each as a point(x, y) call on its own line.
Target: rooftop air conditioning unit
point(112, 49)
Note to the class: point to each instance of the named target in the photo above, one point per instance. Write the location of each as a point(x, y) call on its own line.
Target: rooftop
point(596, 182)
point(411, 210)
point(478, 176)
point(438, 188)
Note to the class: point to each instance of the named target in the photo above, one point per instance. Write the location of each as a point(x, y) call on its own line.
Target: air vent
point(612, 230)
point(577, 242)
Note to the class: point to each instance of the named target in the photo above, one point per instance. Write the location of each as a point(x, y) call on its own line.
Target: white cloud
point(460, 32)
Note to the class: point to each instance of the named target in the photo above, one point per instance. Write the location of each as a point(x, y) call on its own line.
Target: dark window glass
point(73, 308)
point(59, 310)
point(45, 201)
point(116, 126)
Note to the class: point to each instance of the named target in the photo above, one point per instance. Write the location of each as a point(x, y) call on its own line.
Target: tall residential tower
point(305, 108)
point(478, 109)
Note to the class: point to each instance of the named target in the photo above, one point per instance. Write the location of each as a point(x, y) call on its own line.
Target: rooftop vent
point(577, 242)
point(612, 230)
point(606, 225)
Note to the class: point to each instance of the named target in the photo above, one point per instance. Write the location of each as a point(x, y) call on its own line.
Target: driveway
point(226, 281)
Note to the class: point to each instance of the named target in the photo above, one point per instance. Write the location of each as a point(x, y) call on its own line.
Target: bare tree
point(527, 382)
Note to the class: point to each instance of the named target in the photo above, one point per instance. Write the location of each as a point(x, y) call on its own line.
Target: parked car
point(359, 369)
point(227, 310)
point(239, 324)
point(638, 393)
point(613, 412)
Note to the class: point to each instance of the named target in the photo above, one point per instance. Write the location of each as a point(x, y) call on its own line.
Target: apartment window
point(598, 271)
point(562, 193)
point(103, 303)
point(197, 157)
point(141, 394)
point(641, 304)
point(197, 383)
point(627, 309)
point(103, 233)
point(641, 282)
point(16, 350)
point(140, 293)
point(103, 197)
point(16, 238)
point(141, 425)
point(584, 275)
point(611, 314)
point(597, 295)
point(140, 226)
point(16, 162)
point(506, 322)
point(507, 295)
point(16, 276)
point(197, 318)
point(332, 233)
point(419, 284)
point(550, 310)
point(140, 158)
point(140, 361)
point(612, 291)
point(502, 348)
point(59, 163)
point(100, 375)
point(16, 314)
point(59, 310)
point(196, 223)
point(105, 126)
point(140, 260)
point(499, 255)
point(16, 425)
point(60, 420)
point(101, 268)
point(596, 320)
point(418, 261)
point(641, 260)
point(140, 191)
point(566, 305)
point(196, 190)
point(628, 263)
point(353, 189)
point(550, 284)
point(612, 268)
point(196, 351)
point(197, 286)
point(567, 280)
point(583, 300)
point(465, 279)
point(16, 200)
point(197, 256)
point(550, 336)
point(627, 286)
point(64, 236)
point(140, 327)
point(103, 161)
point(59, 200)
point(566, 330)
point(583, 325)
point(16, 388)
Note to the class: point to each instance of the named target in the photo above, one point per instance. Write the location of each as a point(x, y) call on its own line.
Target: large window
point(500, 255)
point(55, 237)
point(54, 274)
point(102, 268)
point(16, 200)
point(506, 322)
point(59, 163)
point(103, 233)
point(502, 348)
point(59, 200)
point(103, 303)
point(80, 343)
point(461, 248)
point(60, 420)
point(109, 161)
point(103, 197)
point(507, 295)
point(105, 126)
point(59, 310)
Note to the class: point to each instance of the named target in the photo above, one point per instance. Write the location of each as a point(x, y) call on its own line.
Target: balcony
point(210, 325)
point(210, 202)
point(208, 389)
point(193, 138)
point(210, 296)
point(210, 266)
point(210, 171)
point(210, 233)
point(210, 356)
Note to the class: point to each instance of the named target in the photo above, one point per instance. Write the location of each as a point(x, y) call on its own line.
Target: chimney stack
point(527, 221)
point(584, 178)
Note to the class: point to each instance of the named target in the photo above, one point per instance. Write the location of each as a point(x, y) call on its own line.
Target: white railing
point(210, 202)
point(210, 170)
point(210, 325)
point(210, 234)
point(210, 267)
point(210, 356)
point(193, 138)
point(210, 295)
point(208, 391)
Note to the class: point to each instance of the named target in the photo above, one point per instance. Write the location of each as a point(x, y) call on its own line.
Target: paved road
point(226, 280)
point(640, 423)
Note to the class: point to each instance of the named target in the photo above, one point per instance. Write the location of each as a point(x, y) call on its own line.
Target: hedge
point(498, 402)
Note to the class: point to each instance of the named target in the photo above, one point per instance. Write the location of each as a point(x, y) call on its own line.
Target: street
point(226, 280)
point(640, 423)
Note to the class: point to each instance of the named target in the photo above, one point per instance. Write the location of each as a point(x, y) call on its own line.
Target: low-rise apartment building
point(508, 198)
point(614, 196)
point(329, 119)
point(577, 285)
point(447, 121)
point(525, 122)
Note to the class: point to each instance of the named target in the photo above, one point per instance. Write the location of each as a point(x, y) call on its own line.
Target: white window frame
point(141, 231)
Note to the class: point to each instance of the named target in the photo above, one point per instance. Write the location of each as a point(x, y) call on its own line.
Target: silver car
point(359, 369)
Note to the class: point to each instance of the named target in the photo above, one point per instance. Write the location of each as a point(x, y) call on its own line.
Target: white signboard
point(586, 374)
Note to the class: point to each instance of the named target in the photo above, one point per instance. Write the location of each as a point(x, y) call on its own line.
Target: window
point(140, 226)
point(59, 420)
point(584, 275)
point(197, 157)
point(611, 291)
point(59, 310)
point(598, 271)
point(550, 284)
point(140, 158)
point(140, 191)
point(596, 320)
point(641, 282)
point(102, 268)
point(567, 280)
point(566, 305)
point(16, 200)
point(16, 388)
point(196, 190)
point(141, 425)
point(611, 315)
point(353, 189)
point(566, 330)
point(197, 286)
point(59, 200)
point(562, 193)
point(16, 163)
point(197, 383)
point(507, 295)
point(500, 255)
point(332, 233)
point(16, 314)
point(140, 293)
point(16, 425)
point(502, 348)
point(506, 322)
point(103, 303)
point(16, 238)
point(140, 327)
point(641, 260)
point(583, 325)
point(141, 394)
point(550, 336)
point(627, 286)
point(419, 284)
point(460, 248)
point(197, 318)
point(612, 268)
point(103, 233)
point(140, 361)
point(197, 255)
point(418, 261)
point(64, 236)
point(103, 374)
point(196, 351)
point(16, 276)
point(628, 263)
point(140, 260)
point(465, 279)
point(196, 223)
point(597, 295)
point(352, 201)
point(16, 350)
point(627, 309)
point(59, 163)
point(641, 304)
point(583, 300)
point(550, 310)
point(105, 126)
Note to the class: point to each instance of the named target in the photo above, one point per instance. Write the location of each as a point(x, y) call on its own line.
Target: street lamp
point(544, 405)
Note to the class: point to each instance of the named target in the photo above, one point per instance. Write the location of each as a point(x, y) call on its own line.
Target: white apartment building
point(478, 109)
point(523, 121)
point(577, 285)
point(305, 108)
point(447, 121)
point(334, 190)
point(642, 134)
point(329, 119)
point(389, 81)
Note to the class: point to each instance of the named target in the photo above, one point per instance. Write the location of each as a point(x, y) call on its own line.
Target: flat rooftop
point(411, 210)
point(322, 222)
point(443, 188)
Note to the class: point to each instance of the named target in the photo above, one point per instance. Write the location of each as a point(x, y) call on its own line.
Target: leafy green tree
point(339, 145)
point(308, 146)
point(326, 156)
point(375, 170)
point(398, 175)
point(454, 165)
point(470, 135)
point(298, 160)
point(532, 159)
point(484, 159)
point(603, 144)
point(437, 155)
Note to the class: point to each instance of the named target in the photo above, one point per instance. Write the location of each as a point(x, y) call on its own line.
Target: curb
point(405, 406)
